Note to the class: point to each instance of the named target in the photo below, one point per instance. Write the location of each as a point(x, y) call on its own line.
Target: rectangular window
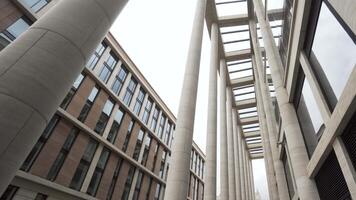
point(128, 183)
point(146, 150)
point(138, 146)
point(114, 179)
point(115, 125)
point(139, 101)
point(154, 119)
point(163, 162)
point(138, 186)
point(130, 91)
point(83, 166)
point(58, 163)
point(96, 55)
point(128, 136)
point(158, 191)
point(149, 189)
point(287, 171)
point(40, 143)
point(155, 157)
point(99, 171)
point(161, 126)
point(88, 104)
point(168, 133)
point(108, 67)
point(72, 91)
point(16, 29)
point(147, 111)
point(9, 193)
point(119, 80)
point(36, 5)
point(104, 117)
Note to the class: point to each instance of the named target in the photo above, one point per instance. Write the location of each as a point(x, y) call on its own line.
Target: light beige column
point(38, 69)
point(211, 135)
point(224, 180)
point(247, 187)
point(236, 153)
point(299, 159)
point(252, 181)
point(230, 145)
point(178, 175)
point(241, 162)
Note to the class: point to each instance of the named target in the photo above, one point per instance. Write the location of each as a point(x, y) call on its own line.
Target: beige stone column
point(230, 144)
point(211, 135)
point(247, 187)
point(224, 181)
point(252, 181)
point(299, 159)
point(38, 69)
point(241, 163)
point(236, 153)
point(178, 175)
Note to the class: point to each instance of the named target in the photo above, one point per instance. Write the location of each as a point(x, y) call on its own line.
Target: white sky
point(156, 35)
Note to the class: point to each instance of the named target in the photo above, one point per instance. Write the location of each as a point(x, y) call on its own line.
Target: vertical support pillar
point(178, 175)
point(38, 69)
point(242, 162)
point(299, 158)
point(230, 145)
point(236, 154)
point(252, 181)
point(211, 137)
point(245, 173)
point(224, 181)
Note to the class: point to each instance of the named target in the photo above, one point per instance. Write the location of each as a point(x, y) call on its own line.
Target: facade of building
point(111, 136)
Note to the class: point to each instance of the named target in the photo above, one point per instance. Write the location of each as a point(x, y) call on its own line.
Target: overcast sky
point(156, 35)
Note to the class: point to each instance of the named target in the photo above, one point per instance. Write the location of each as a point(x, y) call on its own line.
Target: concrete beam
point(252, 134)
point(256, 156)
point(255, 146)
point(249, 120)
point(240, 82)
point(238, 55)
point(246, 103)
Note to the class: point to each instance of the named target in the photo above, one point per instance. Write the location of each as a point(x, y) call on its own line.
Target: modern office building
point(287, 73)
point(111, 136)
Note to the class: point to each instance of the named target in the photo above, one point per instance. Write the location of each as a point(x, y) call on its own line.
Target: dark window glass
point(115, 125)
point(128, 183)
point(154, 119)
point(96, 55)
point(138, 186)
point(104, 117)
point(128, 136)
point(16, 29)
point(88, 104)
point(108, 67)
point(161, 126)
point(147, 111)
point(158, 191)
point(9, 193)
point(146, 150)
point(58, 163)
point(72, 91)
point(130, 91)
point(114, 179)
point(83, 166)
point(139, 101)
point(36, 5)
point(40, 143)
point(288, 175)
point(138, 146)
point(149, 189)
point(40, 196)
point(155, 157)
point(168, 133)
point(98, 173)
point(119, 80)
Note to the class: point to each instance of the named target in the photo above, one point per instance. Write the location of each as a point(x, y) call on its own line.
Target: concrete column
point(247, 187)
point(252, 181)
point(236, 154)
point(299, 158)
point(211, 135)
point(38, 69)
point(241, 162)
point(178, 175)
point(224, 181)
point(230, 145)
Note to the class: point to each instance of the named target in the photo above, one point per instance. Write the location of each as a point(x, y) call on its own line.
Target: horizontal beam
point(254, 146)
point(249, 120)
point(256, 156)
point(240, 82)
point(247, 103)
point(252, 134)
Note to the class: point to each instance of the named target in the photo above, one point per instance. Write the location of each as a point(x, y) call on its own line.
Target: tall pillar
point(230, 145)
point(241, 162)
point(245, 174)
point(178, 175)
point(299, 158)
point(38, 69)
point(252, 181)
point(211, 137)
point(224, 181)
point(236, 154)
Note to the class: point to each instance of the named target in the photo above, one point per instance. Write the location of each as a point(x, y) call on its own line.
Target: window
point(16, 29)
point(146, 150)
point(333, 62)
point(72, 91)
point(149, 188)
point(161, 126)
point(83, 166)
point(128, 183)
point(104, 117)
point(163, 162)
point(138, 186)
point(147, 111)
point(99, 171)
point(114, 179)
point(9, 193)
point(96, 55)
point(158, 191)
point(40, 143)
point(191, 159)
point(108, 67)
point(130, 91)
point(88, 104)
point(138, 146)
point(154, 119)
point(40, 196)
point(168, 133)
point(36, 5)
point(139, 101)
point(58, 163)
point(288, 174)
point(115, 125)
point(119, 80)
point(128, 136)
point(155, 157)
